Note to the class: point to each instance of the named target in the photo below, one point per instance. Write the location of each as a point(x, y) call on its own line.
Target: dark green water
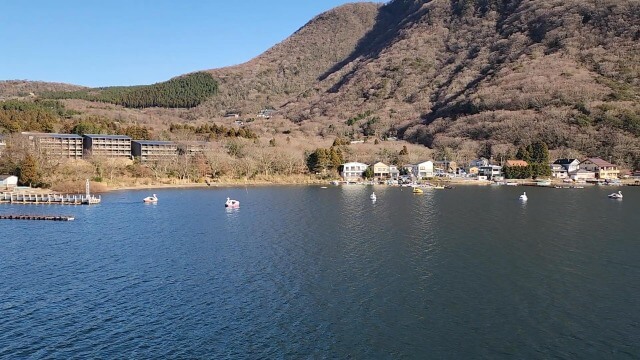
point(305, 272)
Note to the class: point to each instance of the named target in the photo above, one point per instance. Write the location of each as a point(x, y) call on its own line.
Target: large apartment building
point(57, 145)
point(147, 150)
point(107, 145)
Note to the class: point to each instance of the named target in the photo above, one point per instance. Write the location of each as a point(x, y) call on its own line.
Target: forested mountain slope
point(465, 77)
point(480, 77)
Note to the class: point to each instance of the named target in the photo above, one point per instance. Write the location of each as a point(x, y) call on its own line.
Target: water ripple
point(305, 272)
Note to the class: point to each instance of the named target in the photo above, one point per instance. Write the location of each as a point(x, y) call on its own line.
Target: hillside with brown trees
point(466, 78)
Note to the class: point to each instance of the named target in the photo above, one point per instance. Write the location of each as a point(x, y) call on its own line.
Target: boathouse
point(8, 182)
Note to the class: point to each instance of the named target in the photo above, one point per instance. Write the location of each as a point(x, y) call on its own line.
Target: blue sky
point(120, 42)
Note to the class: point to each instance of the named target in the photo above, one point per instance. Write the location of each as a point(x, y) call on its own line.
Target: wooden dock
point(59, 199)
point(50, 198)
point(36, 217)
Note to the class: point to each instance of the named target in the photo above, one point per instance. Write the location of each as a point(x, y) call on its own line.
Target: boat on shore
point(543, 183)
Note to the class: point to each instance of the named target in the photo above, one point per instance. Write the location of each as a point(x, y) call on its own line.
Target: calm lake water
point(305, 272)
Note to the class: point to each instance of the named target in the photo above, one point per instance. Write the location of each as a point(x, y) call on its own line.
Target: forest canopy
point(182, 92)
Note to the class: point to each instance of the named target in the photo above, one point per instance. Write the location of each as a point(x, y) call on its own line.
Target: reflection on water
point(305, 272)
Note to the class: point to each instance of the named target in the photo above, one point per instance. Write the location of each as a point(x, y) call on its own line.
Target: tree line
point(38, 116)
point(537, 157)
point(182, 92)
point(214, 131)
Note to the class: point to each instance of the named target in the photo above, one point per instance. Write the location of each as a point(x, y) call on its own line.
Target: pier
point(23, 198)
point(36, 217)
point(58, 199)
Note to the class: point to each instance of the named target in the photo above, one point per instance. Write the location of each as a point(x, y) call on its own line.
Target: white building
point(490, 171)
point(558, 171)
point(423, 170)
point(582, 174)
point(394, 173)
point(8, 182)
point(571, 165)
point(352, 171)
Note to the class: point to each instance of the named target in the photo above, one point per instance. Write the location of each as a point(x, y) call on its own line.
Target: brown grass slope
point(483, 76)
point(293, 65)
point(9, 88)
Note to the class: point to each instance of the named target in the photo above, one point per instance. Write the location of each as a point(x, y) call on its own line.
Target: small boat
point(151, 199)
point(617, 195)
point(232, 203)
point(373, 197)
point(543, 183)
point(417, 190)
point(524, 197)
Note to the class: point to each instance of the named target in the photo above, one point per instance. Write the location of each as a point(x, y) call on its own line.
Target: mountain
point(294, 65)
point(465, 77)
point(482, 77)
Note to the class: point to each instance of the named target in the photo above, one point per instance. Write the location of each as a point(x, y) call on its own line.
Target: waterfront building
point(446, 166)
point(423, 170)
point(148, 150)
point(107, 145)
point(582, 174)
point(477, 163)
point(57, 145)
point(381, 171)
point(491, 172)
point(571, 165)
point(8, 182)
point(394, 173)
point(603, 169)
point(352, 171)
point(558, 171)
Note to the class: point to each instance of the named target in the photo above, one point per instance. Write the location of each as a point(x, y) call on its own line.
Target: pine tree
point(28, 171)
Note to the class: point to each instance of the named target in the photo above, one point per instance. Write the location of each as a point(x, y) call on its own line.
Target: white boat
point(617, 195)
point(232, 203)
point(543, 182)
point(151, 199)
point(373, 197)
point(524, 197)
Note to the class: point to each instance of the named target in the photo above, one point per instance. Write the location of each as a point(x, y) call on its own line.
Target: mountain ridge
point(464, 77)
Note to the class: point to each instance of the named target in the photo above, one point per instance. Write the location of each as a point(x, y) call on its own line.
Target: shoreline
point(106, 188)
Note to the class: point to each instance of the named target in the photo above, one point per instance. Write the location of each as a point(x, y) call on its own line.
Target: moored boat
point(232, 203)
point(151, 199)
point(617, 195)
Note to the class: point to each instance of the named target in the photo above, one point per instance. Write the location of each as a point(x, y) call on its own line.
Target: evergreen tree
point(335, 155)
point(28, 171)
point(523, 154)
point(368, 173)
